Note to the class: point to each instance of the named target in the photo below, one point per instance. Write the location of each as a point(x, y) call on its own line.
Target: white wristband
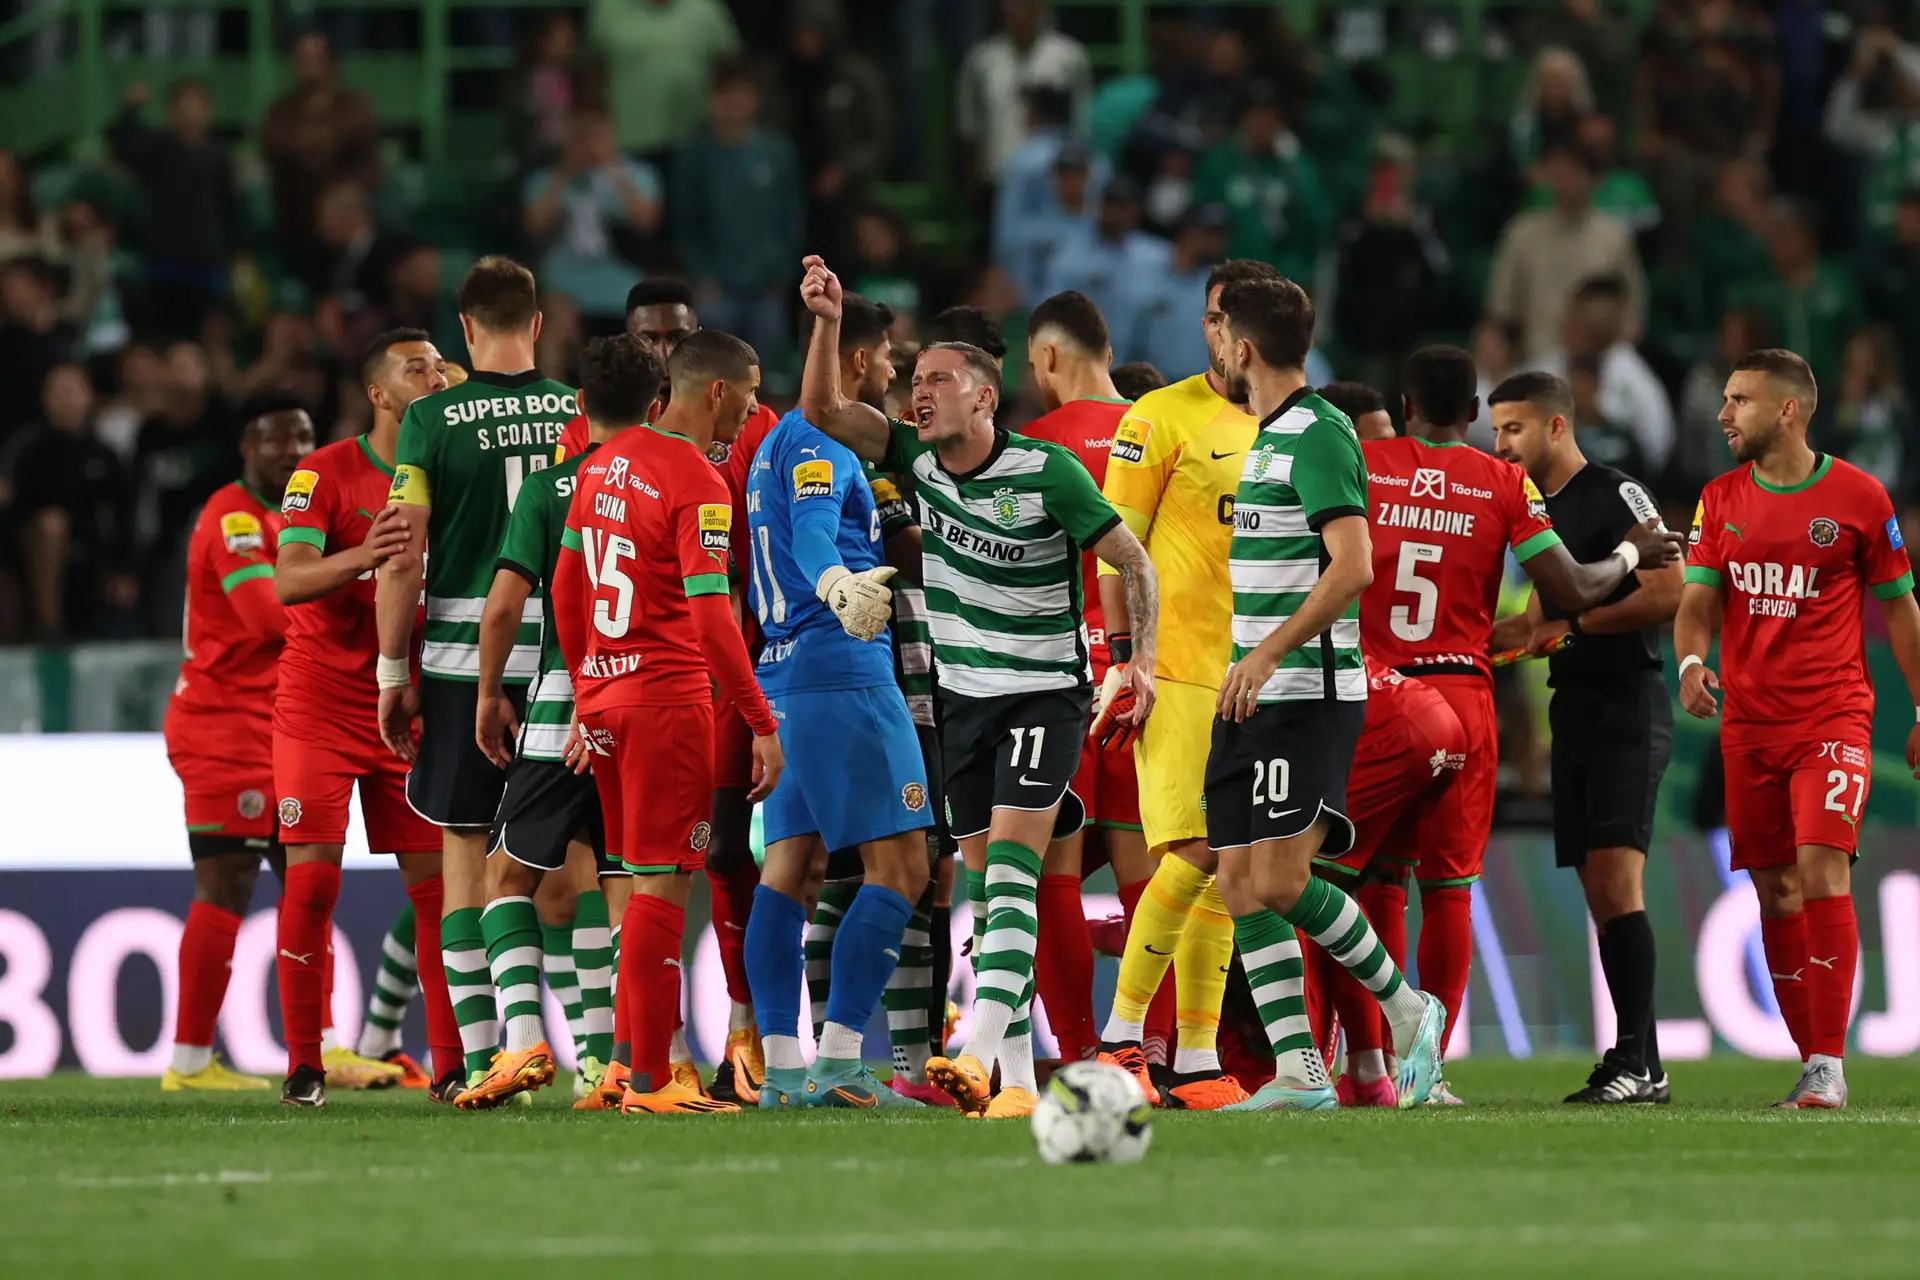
point(393, 673)
point(1695, 660)
point(1630, 553)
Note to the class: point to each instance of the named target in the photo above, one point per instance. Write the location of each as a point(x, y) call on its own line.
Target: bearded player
point(218, 729)
point(1785, 548)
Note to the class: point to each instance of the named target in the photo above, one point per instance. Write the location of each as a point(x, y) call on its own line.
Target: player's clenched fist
point(1698, 684)
point(820, 289)
point(862, 601)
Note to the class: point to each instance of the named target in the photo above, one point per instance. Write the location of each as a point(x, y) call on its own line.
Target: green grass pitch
point(115, 1178)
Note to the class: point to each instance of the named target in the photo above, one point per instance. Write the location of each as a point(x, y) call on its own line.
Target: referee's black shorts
point(1611, 744)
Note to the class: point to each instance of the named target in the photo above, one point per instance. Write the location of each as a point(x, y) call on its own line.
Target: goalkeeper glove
point(861, 601)
point(1112, 728)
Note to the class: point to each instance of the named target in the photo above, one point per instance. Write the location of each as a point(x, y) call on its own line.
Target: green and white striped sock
point(1270, 950)
point(394, 988)
point(593, 970)
point(463, 948)
point(622, 1049)
point(835, 897)
point(1336, 922)
point(905, 998)
point(556, 961)
point(977, 903)
point(512, 931)
point(1003, 986)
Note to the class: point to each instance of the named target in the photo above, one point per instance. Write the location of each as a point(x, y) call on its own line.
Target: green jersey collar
point(1821, 463)
point(366, 447)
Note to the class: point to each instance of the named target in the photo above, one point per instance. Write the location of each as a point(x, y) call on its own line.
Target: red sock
point(1130, 898)
point(1833, 951)
point(1385, 906)
point(1446, 946)
point(732, 900)
point(650, 941)
point(1785, 940)
point(206, 962)
point(1063, 967)
point(306, 922)
point(326, 982)
point(429, 899)
point(1157, 1032)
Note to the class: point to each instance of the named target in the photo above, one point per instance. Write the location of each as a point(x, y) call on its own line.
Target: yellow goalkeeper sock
point(1158, 923)
point(1200, 965)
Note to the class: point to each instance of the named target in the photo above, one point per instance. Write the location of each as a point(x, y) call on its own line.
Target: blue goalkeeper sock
point(772, 951)
point(864, 955)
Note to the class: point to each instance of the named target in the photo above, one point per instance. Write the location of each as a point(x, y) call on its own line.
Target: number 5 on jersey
point(1415, 623)
point(603, 554)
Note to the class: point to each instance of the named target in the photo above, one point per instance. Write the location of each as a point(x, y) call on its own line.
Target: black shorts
point(545, 805)
point(215, 844)
point(1611, 744)
point(1279, 771)
point(1017, 751)
point(452, 784)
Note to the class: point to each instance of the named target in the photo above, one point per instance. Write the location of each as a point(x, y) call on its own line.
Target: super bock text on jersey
point(1001, 564)
point(1275, 774)
point(854, 770)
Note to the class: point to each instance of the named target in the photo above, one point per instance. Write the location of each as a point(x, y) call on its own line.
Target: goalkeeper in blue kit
point(855, 777)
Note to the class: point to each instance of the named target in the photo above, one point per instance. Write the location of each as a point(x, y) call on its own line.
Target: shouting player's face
point(1523, 435)
point(1753, 415)
point(947, 395)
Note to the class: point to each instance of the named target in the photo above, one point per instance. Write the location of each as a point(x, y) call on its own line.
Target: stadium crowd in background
point(1731, 174)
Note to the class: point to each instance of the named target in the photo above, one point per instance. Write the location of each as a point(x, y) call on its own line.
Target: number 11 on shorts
point(1021, 736)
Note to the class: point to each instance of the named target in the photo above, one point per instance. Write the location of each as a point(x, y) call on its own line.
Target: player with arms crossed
point(462, 456)
point(218, 729)
point(1444, 517)
point(1785, 548)
point(1007, 518)
point(645, 616)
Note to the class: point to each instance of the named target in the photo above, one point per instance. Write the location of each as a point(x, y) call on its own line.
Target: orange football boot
point(607, 1094)
point(1206, 1095)
point(675, 1099)
point(1131, 1059)
point(964, 1080)
point(511, 1073)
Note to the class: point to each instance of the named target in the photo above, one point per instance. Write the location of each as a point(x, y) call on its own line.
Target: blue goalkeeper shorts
point(854, 770)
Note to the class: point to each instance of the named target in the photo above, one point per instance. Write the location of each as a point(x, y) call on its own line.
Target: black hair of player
point(1547, 393)
point(1073, 314)
point(1611, 287)
point(977, 359)
point(1787, 367)
point(1275, 315)
point(709, 354)
point(863, 322)
point(660, 291)
point(620, 379)
point(1441, 385)
point(970, 326)
point(1355, 399)
point(1240, 271)
point(499, 295)
point(268, 402)
point(374, 354)
point(1135, 378)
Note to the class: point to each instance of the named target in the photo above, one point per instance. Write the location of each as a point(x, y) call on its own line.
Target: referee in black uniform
point(1611, 719)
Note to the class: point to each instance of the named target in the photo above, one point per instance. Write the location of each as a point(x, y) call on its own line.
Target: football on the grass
point(1092, 1113)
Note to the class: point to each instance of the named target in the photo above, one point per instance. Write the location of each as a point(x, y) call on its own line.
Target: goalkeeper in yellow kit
point(1176, 462)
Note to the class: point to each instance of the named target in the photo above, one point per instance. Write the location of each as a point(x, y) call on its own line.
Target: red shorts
point(1402, 769)
point(1448, 843)
point(224, 758)
point(653, 767)
point(315, 783)
point(1781, 796)
point(732, 748)
point(1107, 784)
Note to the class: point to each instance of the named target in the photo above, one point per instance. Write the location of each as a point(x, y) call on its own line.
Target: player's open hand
point(1698, 684)
point(1240, 691)
point(768, 761)
point(387, 538)
point(1657, 544)
point(399, 707)
point(495, 727)
point(862, 601)
point(579, 753)
point(820, 289)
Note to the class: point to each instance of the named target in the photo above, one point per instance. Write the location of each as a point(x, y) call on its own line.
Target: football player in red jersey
point(642, 579)
point(1070, 353)
point(338, 531)
point(1444, 516)
point(1785, 548)
point(218, 726)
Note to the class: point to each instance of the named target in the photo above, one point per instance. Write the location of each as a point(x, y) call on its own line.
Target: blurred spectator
point(316, 135)
point(413, 299)
point(183, 453)
point(1621, 191)
point(140, 387)
point(557, 352)
point(1110, 265)
point(543, 100)
point(1727, 244)
point(70, 496)
point(1810, 299)
point(1556, 97)
point(836, 108)
point(194, 221)
point(990, 116)
point(1708, 91)
point(665, 52)
point(591, 216)
point(1891, 275)
point(1197, 105)
point(1027, 202)
point(1872, 421)
point(1594, 334)
point(1029, 246)
point(1603, 438)
point(1172, 303)
point(883, 268)
point(1136, 378)
point(1496, 353)
point(1389, 261)
point(23, 230)
point(33, 337)
point(1278, 209)
point(1544, 254)
point(737, 217)
point(104, 300)
point(344, 272)
point(1700, 447)
point(1602, 41)
point(1874, 112)
point(287, 358)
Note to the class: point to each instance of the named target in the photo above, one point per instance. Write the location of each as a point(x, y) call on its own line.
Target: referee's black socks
point(1627, 958)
